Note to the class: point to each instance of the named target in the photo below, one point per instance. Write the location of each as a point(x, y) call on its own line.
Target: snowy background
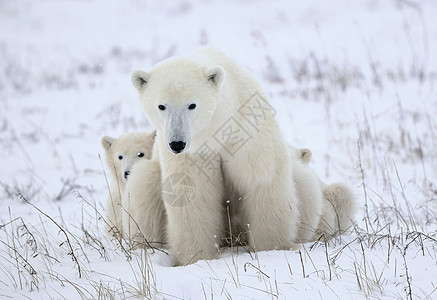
point(354, 81)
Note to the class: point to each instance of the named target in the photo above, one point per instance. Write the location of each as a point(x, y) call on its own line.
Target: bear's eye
point(161, 107)
point(192, 106)
point(120, 157)
point(140, 154)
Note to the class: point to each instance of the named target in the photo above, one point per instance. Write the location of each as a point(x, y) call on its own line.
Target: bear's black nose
point(177, 147)
point(126, 174)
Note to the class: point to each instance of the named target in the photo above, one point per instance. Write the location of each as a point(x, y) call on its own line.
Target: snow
point(354, 81)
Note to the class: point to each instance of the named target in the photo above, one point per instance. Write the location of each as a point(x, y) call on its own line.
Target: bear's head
point(123, 152)
point(180, 96)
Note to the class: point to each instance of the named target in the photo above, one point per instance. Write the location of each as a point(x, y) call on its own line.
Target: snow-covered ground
point(354, 81)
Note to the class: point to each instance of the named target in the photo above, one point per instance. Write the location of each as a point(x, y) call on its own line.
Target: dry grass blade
point(71, 252)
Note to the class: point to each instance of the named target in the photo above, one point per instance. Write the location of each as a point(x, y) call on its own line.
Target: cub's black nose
point(126, 174)
point(177, 147)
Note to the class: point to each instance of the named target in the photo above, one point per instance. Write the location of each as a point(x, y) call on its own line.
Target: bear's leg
point(272, 214)
point(262, 176)
point(195, 214)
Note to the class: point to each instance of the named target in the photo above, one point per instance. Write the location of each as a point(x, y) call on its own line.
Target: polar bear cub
point(336, 207)
point(143, 216)
point(121, 154)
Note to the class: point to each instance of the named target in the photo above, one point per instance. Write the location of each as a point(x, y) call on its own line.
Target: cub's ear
point(153, 134)
point(305, 155)
point(107, 142)
point(215, 75)
point(139, 79)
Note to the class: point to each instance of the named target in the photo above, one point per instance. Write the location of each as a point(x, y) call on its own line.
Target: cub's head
point(179, 96)
point(123, 152)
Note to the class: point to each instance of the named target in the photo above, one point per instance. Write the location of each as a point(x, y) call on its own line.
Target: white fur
point(127, 147)
point(259, 169)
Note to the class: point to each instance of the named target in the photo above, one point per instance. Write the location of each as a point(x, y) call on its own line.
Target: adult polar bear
point(207, 104)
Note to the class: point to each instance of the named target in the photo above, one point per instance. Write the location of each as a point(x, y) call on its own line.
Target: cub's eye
point(140, 154)
point(192, 106)
point(120, 157)
point(161, 107)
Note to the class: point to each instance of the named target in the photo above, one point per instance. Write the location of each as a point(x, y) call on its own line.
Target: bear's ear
point(153, 134)
point(107, 142)
point(305, 155)
point(215, 75)
point(139, 79)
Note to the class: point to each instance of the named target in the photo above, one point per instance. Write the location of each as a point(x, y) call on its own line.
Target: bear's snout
point(126, 174)
point(177, 147)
